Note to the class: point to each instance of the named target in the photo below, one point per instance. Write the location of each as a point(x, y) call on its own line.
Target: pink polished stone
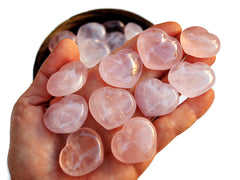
point(60, 36)
point(67, 115)
point(131, 30)
point(82, 154)
point(114, 40)
point(122, 69)
point(191, 80)
point(136, 142)
point(157, 50)
point(92, 30)
point(197, 41)
point(70, 78)
point(92, 52)
point(111, 107)
point(155, 98)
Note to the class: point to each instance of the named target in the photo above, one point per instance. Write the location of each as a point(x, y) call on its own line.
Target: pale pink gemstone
point(122, 69)
point(157, 50)
point(114, 40)
point(191, 80)
point(197, 41)
point(82, 154)
point(111, 107)
point(67, 115)
point(155, 98)
point(92, 30)
point(136, 142)
point(131, 30)
point(92, 52)
point(60, 36)
point(70, 78)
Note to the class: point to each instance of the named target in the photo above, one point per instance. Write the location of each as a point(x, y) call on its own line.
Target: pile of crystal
point(95, 41)
point(112, 105)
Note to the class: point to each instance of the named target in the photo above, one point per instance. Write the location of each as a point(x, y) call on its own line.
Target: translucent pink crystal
point(157, 50)
point(122, 69)
point(60, 36)
point(92, 52)
point(131, 30)
point(135, 142)
point(82, 154)
point(114, 40)
point(92, 30)
point(197, 41)
point(155, 98)
point(67, 115)
point(111, 107)
point(191, 80)
point(70, 78)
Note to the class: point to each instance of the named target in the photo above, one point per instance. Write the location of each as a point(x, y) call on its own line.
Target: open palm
point(34, 150)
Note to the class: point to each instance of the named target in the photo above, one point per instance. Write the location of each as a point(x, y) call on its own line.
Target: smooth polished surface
point(68, 79)
point(122, 69)
point(155, 98)
point(157, 50)
point(60, 36)
point(82, 154)
point(135, 142)
point(131, 30)
point(191, 80)
point(111, 107)
point(67, 115)
point(197, 41)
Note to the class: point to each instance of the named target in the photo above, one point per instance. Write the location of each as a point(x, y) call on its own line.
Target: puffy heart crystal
point(122, 69)
point(67, 115)
point(70, 78)
point(82, 154)
point(191, 80)
point(135, 142)
point(111, 107)
point(155, 98)
point(60, 36)
point(157, 50)
point(92, 52)
point(197, 41)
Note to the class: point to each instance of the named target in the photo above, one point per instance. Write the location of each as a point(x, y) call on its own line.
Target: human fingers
point(66, 51)
point(186, 114)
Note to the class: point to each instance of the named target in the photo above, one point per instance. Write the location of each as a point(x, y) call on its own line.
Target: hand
point(34, 150)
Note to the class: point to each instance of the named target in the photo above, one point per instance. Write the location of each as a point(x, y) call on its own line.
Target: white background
point(210, 149)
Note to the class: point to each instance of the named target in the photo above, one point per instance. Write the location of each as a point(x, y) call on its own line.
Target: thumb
point(66, 51)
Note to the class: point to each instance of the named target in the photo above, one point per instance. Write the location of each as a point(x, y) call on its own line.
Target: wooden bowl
point(72, 24)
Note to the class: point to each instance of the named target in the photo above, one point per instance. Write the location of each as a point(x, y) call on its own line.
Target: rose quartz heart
point(191, 80)
point(111, 107)
point(122, 69)
point(155, 98)
point(70, 78)
point(197, 41)
point(135, 142)
point(67, 115)
point(82, 154)
point(157, 50)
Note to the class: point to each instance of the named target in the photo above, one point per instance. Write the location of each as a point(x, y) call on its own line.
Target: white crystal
point(131, 30)
point(114, 40)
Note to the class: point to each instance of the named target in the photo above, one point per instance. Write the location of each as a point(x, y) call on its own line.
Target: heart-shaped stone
point(157, 50)
point(155, 98)
point(68, 79)
point(191, 80)
point(67, 115)
point(135, 142)
point(197, 41)
point(82, 154)
point(122, 69)
point(111, 107)
point(92, 52)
